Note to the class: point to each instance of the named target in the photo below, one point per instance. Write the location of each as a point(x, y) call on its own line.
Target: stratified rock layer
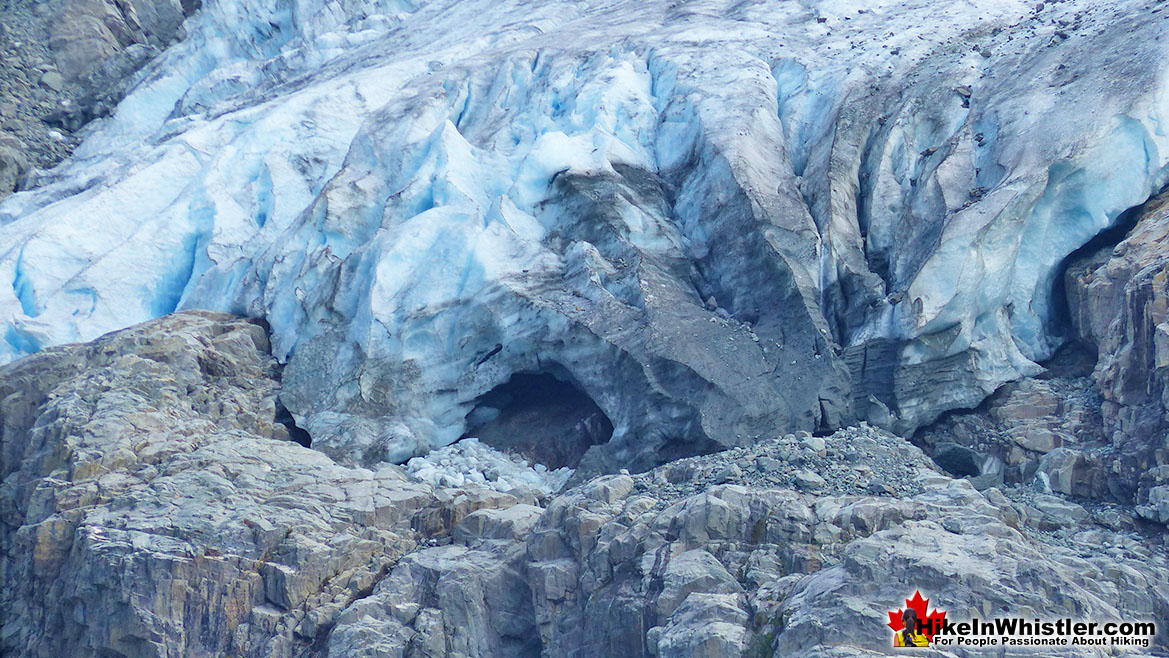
point(151, 507)
point(1119, 302)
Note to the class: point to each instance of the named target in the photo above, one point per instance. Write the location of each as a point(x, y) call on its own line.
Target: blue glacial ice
point(719, 220)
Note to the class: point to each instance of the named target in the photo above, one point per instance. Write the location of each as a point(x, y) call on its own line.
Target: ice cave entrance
point(541, 418)
point(295, 432)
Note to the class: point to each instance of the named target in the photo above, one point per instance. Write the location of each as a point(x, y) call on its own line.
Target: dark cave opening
point(541, 418)
point(957, 460)
point(285, 418)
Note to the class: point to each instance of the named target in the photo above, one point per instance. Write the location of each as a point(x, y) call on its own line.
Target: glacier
point(718, 220)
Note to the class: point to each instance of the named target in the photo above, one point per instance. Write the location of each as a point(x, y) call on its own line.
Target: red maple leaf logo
point(931, 622)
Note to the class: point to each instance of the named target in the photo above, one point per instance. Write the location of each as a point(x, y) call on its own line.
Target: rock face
point(1118, 301)
point(1050, 428)
point(653, 246)
point(152, 507)
point(1094, 425)
point(63, 64)
point(713, 221)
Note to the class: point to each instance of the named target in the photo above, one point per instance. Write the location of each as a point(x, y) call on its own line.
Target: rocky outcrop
point(1046, 431)
point(1094, 424)
point(153, 507)
point(63, 64)
point(1118, 301)
point(742, 553)
point(664, 242)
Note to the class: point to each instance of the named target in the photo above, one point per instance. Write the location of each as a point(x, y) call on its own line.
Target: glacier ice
point(719, 220)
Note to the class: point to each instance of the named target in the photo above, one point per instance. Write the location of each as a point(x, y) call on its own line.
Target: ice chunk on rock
point(471, 462)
